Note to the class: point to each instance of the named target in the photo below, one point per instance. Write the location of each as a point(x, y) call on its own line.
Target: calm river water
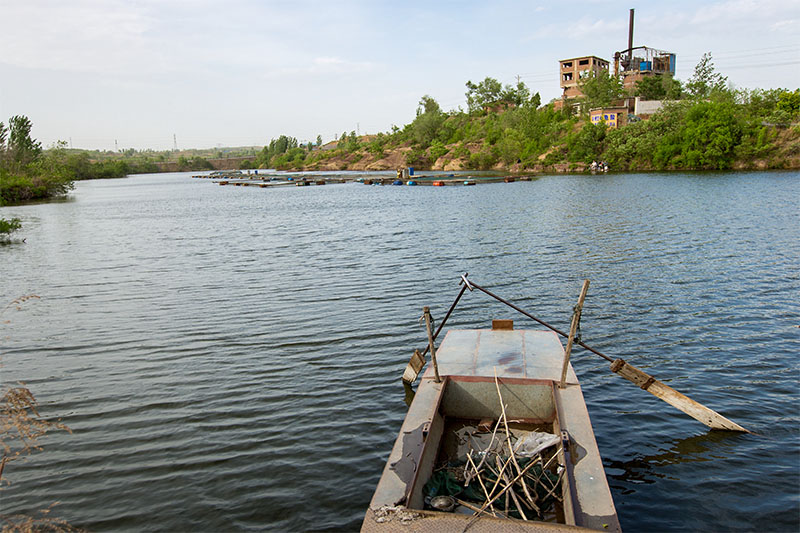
point(229, 358)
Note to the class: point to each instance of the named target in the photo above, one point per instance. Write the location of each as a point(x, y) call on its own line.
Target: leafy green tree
point(319, 140)
point(518, 96)
point(789, 101)
point(276, 148)
point(22, 148)
point(425, 127)
point(587, 144)
point(706, 80)
point(600, 89)
point(710, 134)
point(485, 93)
point(491, 92)
point(3, 139)
point(658, 88)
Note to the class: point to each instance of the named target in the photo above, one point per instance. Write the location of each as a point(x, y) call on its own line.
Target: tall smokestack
point(630, 40)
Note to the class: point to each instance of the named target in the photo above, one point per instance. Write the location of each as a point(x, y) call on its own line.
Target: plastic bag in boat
point(534, 442)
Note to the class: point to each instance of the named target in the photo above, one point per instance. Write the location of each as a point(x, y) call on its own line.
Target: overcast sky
point(240, 72)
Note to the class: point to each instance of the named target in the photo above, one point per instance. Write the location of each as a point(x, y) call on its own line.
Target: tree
point(22, 149)
point(3, 138)
point(487, 92)
point(518, 96)
point(788, 101)
point(710, 133)
point(319, 140)
point(706, 80)
point(429, 120)
point(491, 92)
point(427, 104)
point(658, 88)
point(600, 89)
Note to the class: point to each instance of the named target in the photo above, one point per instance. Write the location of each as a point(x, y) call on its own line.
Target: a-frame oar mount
point(645, 381)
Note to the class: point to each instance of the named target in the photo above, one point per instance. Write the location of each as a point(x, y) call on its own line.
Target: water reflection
point(646, 469)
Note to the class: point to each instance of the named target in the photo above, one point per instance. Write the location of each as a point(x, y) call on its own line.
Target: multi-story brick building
point(574, 70)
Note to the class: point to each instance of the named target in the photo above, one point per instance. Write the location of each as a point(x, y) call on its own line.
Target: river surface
point(229, 358)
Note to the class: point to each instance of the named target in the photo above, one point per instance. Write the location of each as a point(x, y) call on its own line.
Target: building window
point(583, 62)
point(568, 76)
point(583, 74)
point(566, 65)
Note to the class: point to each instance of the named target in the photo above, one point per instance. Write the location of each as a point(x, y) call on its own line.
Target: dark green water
point(229, 358)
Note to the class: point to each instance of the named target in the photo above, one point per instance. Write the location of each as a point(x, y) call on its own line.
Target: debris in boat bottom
point(476, 474)
point(534, 442)
point(388, 513)
point(443, 503)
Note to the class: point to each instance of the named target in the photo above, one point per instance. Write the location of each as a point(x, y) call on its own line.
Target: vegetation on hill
point(705, 125)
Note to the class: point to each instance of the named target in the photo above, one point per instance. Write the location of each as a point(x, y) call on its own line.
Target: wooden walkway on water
point(301, 180)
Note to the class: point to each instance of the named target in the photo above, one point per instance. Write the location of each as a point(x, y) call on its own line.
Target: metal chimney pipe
point(630, 40)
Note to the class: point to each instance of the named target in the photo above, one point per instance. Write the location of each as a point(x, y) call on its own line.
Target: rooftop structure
point(640, 62)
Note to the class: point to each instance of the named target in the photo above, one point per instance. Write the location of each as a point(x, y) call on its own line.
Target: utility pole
point(174, 142)
point(358, 128)
point(116, 146)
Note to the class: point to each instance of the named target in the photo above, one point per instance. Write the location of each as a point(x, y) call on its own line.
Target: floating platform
point(263, 180)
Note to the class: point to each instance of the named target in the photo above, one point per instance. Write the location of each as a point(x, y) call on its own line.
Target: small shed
point(614, 117)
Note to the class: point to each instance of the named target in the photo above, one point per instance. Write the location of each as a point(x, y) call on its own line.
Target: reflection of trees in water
point(644, 469)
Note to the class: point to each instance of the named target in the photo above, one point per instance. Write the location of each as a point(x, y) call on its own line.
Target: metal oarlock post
point(573, 327)
point(426, 312)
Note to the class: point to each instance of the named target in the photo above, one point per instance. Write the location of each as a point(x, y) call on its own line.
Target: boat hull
point(527, 366)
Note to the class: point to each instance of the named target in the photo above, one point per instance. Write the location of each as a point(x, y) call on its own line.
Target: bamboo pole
point(480, 480)
point(508, 434)
point(503, 491)
point(512, 493)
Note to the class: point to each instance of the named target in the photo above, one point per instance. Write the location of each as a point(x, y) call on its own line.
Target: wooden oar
point(698, 411)
point(645, 381)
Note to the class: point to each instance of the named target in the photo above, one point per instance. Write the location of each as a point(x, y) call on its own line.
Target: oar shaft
point(542, 322)
point(444, 320)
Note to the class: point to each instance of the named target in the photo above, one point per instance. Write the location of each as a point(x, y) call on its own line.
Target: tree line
point(706, 124)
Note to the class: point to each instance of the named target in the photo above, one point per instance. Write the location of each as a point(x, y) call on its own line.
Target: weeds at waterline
point(21, 425)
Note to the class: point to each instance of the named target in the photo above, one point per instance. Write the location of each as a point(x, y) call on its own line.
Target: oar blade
point(696, 410)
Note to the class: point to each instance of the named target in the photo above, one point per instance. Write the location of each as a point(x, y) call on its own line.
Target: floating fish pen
point(303, 180)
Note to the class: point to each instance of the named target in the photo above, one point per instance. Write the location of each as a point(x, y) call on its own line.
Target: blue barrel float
point(411, 183)
point(397, 182)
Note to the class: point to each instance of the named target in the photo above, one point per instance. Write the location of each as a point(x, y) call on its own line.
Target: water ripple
point(229, 358)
